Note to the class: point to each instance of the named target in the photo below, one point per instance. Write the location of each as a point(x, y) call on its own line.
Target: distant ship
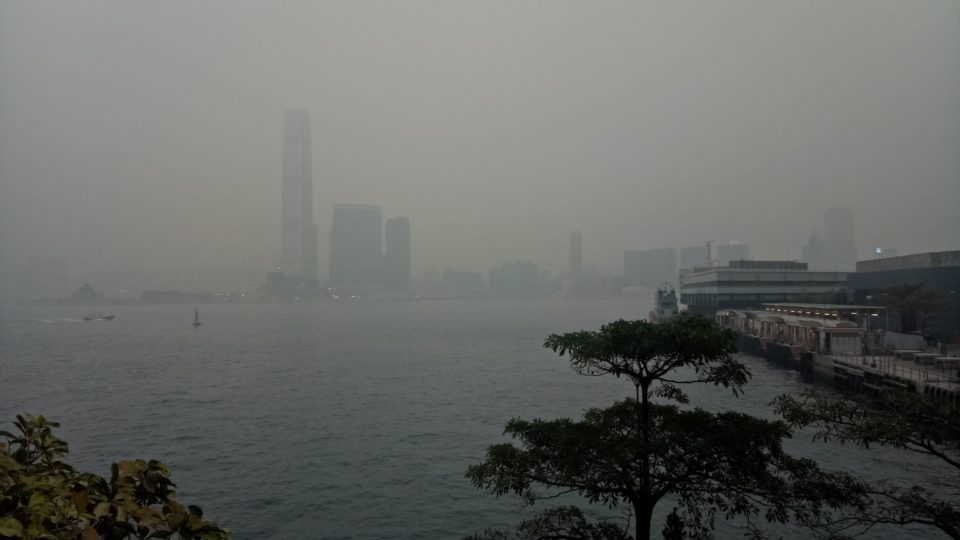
point(665, 305)
point(196, 317)
point(98, 317)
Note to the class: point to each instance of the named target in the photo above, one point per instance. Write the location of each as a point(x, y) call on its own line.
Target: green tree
point(636, 452)
point(559, 523)
point(907, 421)
point(673, 528)
point(914, 302)
point(41, 496)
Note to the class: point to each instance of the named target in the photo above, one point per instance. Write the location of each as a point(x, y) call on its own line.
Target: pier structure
point(847, 345)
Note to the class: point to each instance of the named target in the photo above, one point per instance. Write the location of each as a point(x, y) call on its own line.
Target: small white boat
point(98, 317)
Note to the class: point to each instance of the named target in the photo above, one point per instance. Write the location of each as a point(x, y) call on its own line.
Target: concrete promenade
point(877, 372)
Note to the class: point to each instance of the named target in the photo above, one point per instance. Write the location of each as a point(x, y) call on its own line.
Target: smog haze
point(139, 139)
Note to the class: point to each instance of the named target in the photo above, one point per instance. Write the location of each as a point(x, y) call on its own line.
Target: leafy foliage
point(41, 496)
point(902, 420)
point(913, 302)
point(557, 523)
point(673, 528)
point(635, 452)
point(647, 353)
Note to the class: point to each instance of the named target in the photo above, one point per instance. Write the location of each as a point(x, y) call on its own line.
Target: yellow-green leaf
point(9, 526)
point(101, 509)
point(36, 499)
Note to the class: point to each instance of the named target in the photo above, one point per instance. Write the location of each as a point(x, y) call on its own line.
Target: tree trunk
point(642, 512)
point(643, 508)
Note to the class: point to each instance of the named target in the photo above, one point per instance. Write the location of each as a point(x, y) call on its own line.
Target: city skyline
point(496, 150)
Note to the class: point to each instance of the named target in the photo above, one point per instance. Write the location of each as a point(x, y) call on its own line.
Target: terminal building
point(745, 284)
point(939, 271)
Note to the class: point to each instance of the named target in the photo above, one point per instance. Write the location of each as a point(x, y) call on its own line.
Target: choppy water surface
point(350, 420)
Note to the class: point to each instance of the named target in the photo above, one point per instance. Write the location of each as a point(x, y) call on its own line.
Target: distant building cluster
point(359, 264)
point(370, 256)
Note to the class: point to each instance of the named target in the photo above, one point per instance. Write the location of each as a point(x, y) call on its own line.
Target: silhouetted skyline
point(138, 141)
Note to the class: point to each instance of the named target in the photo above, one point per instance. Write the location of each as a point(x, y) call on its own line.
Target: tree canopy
point(635, 452)
point(41, 496)
point(912, 301)
point(896, 419)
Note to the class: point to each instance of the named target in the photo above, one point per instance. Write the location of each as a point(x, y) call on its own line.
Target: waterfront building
point(298, 234)
point(576, 255)
point(827, 328)
point(734, 251)
point(814, 252)
point(692, 257)
point(840, 248)
point(743, 284)
point(649, 268)
point(356, 247)
point(396, 256)
point(939, 271)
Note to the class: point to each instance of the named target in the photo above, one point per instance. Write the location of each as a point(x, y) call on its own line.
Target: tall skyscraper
point(576, 254)
point(841, 250)
point(396, 256)
point(356, 247)
point(298, 236)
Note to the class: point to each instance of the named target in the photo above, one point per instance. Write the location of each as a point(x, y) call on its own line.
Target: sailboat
point(196, 317)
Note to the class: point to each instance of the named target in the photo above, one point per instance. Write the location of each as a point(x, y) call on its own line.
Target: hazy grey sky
point(148, 134)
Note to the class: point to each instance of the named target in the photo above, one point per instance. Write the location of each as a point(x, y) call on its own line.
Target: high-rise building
point(298, 236)
point(734, 251)
point(814, 252)
point(576, 254)
point(396, 257)
point(694, 257)
point(841, 250)
point(356, 247)
point(650, 268)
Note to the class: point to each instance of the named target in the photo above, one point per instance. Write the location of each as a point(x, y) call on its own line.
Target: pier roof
point(843, 307)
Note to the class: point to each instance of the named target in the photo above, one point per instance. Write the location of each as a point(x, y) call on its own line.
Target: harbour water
point(338, 420)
